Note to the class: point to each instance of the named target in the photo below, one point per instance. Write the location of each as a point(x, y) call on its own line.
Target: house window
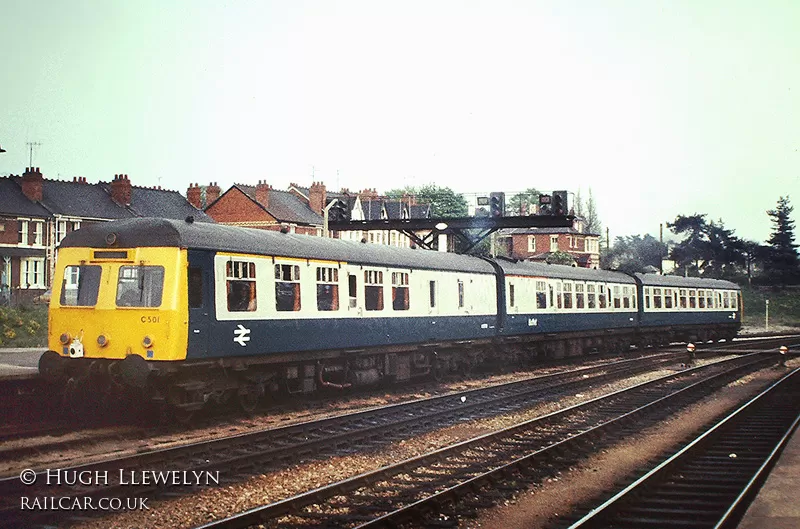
point(400, 290)
point(140, 286)
point(460, 294)
point(32, 272)
point(23, 232)
point(541, 295)
point(38, 230)
point(373, 290)
point(287, 287)
point(554, 243)
point(532, 243)
point(327, 288)
point(61, 230)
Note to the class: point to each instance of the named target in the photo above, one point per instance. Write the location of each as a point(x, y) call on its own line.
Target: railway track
point(257, 452)
point(436, 488)
point(711, 481)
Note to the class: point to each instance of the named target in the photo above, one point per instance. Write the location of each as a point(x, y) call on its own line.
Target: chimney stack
point(317, 197)
point(121, 190)
point(32, 184)
point(193, 195)
point(212, 193)
point(262, 193)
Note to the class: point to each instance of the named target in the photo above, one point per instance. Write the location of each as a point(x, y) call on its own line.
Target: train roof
point(530, 268)
point(685, 282)
point(152, 232)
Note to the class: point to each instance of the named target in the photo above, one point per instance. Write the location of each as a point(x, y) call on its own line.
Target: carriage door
point(352, 291)
point(200, 280)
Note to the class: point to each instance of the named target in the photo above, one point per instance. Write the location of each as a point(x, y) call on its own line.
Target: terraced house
point(36, 213)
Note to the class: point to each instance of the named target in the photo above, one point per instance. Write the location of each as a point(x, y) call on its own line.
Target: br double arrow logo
point(241, 335)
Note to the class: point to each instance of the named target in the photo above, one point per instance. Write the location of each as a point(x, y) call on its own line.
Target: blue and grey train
point(189, 312)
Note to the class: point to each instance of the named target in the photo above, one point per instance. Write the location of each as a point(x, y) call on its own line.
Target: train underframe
point(187, 386)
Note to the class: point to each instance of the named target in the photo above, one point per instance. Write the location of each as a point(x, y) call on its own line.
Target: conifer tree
point(782, 264)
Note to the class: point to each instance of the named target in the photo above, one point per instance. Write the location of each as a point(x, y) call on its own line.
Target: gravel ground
point(97, 444)
point(212, 503)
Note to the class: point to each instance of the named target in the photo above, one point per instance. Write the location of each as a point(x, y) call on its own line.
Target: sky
point(660, 108)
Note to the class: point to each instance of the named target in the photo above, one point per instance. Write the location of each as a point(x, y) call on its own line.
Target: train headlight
point(102, 340)
point(64, 338)
point(147, 342)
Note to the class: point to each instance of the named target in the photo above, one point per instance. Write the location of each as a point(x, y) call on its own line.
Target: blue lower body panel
point(264, 337)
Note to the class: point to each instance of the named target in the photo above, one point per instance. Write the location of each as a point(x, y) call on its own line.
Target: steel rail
point(578, 430)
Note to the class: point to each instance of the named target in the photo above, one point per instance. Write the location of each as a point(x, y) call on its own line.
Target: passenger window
point(657, 298)
point(616, 297)
point(511, 295)
point(682, 298)
point(647, 298)
point(692, 299)
point(400, 290)
point(81, 285)
point(558, 295)
point(579, 301)
point(287, 288)
point(241, 286)
point(567, 295)
point(668, 298)
point(195, 287)
point(591, 297)
point(140, 286)
point(373, 290)
point(432, 293)
point(701, 299)
point(327, 288)
point(541, 295)
point(601, 297)
point(352, 290)
point(460, 294)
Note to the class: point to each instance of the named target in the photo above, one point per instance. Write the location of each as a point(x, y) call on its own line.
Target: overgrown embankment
point(23, 326)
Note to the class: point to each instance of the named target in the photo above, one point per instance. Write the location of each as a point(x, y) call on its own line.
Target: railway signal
point(559, 203)
point(497, 204)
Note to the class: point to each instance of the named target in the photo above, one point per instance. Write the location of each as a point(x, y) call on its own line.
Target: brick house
point(36, 213)
point(301, 209)
point(263, 207)
point(537, 244)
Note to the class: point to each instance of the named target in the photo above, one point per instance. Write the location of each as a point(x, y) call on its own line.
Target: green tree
point(445, 203)
point(524, 203)
point(559, 257)
point(782, 263)
point(634, 253)
point(708, 248)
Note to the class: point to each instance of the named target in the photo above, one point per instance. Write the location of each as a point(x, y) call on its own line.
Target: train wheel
point(248, 398)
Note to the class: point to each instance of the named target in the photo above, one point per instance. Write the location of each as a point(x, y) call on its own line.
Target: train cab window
point(668, 299)
point(400, 290)
point(701, 299)
point(432, 293)
point(541, 295)
point(327, 288)
point(601, 297)
point(692, 299)
point(567, 295)
point(80, 287)
point(195, 287)
point(140, 286)
point(626, 297)
point(240, 285)
point(591, 296)
point(287, 288)
point(616, 297)
point(579, 296)
point(460, 294)
point(511, 295)
point(373, 290)
point(656, 298)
